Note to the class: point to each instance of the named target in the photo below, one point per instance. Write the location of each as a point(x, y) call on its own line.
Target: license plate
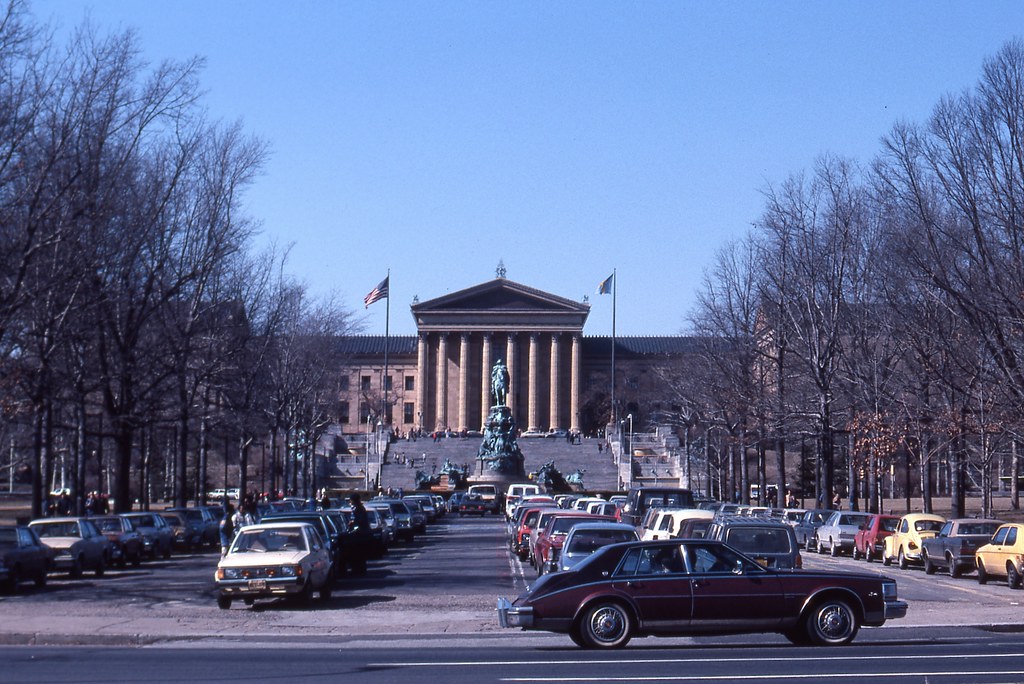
point(258, 584)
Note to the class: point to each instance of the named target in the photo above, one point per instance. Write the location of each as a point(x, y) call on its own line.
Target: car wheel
point(809, 543)
point(325, 592)
point(606, 625)
point(101, 568)
point(821, 548)
point(76, 568)
point(869, 555)
point(831, 623)
point(833, 548)
point(1013, 579)
point(41, 579)
point(223, 602)
point(902, 560)
point(577, 639)
point(954, 569)
point(855, 554)
point(167, 552)
point(929, 569)
point(137, 558)
point(982, 574)
point(306, 595)
point(797, 636)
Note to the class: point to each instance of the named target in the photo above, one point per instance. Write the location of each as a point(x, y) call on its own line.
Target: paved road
point(445, 584)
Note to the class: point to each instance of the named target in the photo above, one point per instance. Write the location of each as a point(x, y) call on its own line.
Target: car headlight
point(229, 573)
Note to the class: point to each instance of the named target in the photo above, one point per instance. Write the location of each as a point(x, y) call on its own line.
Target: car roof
point(276, 526)
point(603, 525)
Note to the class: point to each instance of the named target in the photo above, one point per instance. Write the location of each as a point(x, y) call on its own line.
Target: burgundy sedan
point(683, 587)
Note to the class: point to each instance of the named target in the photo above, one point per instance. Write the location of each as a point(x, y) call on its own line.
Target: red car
point(869, 541)
point(550, 539)
point(681, 587)
point(520, 541)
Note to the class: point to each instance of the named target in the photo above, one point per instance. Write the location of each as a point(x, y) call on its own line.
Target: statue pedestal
point(499, 456)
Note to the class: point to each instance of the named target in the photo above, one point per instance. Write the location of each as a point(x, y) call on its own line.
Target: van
point(641, 499)
point(515, 493)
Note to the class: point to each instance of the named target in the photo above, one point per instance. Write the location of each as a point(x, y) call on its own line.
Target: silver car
point(839, 531)
point(587, 537)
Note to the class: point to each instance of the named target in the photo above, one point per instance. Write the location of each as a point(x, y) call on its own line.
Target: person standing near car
point(227, 528)
point(360, 535)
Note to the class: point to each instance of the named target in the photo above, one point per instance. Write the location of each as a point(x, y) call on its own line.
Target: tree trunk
point(1014, 476)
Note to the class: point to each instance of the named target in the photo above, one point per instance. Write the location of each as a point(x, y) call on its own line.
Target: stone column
point(464, 382)
point(441, 412)
point(574, 391)
point(485, 380)
point(511, 362)
point(531, 389)
point(421, 379)
point(554, 410)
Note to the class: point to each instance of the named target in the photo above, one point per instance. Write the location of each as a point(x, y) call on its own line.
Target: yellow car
point(1003, 556)
point(904, 545)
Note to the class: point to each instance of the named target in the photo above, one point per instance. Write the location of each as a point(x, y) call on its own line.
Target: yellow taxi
point(1003, 556)
point(904, 545)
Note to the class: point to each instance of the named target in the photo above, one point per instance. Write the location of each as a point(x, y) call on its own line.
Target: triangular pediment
point(500, 304)
point(500, 294)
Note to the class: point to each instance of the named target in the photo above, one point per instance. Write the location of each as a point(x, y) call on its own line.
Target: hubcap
point(607, 624)
point(834, 622)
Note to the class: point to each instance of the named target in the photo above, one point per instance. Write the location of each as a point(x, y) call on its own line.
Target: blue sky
point(565, 138)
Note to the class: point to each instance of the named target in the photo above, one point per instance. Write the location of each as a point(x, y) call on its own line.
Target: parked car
point(806, 530)
point(585, 538)
point(125, 540)
point(489, 493)
point(157, 535)
point(1002, 557)
point(325, 526)
point(953, 548)
point(274, 560)
point(690, 587)
point(77, 544)
point(201, 521)
point(640, 499)
point(869, 542)
point(550, 539)
point(904, 545)
point(771, 543)
point(528, 519)
point(404, 526)
point(838, 532)
point(22, 557)
point(183, 535)
point(668, 522)
point(473, 504)
point(426, 504)
point(694, 528)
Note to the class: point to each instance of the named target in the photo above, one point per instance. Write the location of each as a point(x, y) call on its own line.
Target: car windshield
point(563, 525)
point(64, 529)
point(928, 525)
point(145, 521)
point(173, 519)
point(985, 528)
point(108, 524)
point(265, 541)
point(590, 541)
point(759, 540)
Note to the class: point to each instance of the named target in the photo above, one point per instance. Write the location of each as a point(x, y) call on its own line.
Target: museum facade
point(559, 379)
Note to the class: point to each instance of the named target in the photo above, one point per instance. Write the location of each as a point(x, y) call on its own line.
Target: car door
point(656, 581)
point(731, 591)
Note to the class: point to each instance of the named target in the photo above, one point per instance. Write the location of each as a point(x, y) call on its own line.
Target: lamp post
point(629, 419)
point(380, 455)
point(366, 468)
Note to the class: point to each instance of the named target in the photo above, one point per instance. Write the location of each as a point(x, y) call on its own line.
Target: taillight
point(799, 561)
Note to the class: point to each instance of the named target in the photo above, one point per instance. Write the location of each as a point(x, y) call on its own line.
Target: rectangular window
point(407, 413)
point(343, 383)
point(343, 412)
point(388, 383)
point(364, 383)
point(364, 412)
point(410, 383)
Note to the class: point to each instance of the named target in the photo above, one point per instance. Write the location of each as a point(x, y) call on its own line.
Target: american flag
point(377, 293)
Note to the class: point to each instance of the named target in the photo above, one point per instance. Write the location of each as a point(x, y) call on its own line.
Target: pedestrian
point(360, 535)
point(227, 528)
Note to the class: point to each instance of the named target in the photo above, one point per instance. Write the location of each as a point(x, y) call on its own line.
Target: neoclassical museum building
point(559, 378)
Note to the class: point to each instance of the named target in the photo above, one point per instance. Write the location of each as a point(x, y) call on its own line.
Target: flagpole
point(387, 336)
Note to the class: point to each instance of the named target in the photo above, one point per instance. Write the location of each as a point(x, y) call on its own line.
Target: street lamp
point(380, 455)
point(366, 469)
point(629, 418)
